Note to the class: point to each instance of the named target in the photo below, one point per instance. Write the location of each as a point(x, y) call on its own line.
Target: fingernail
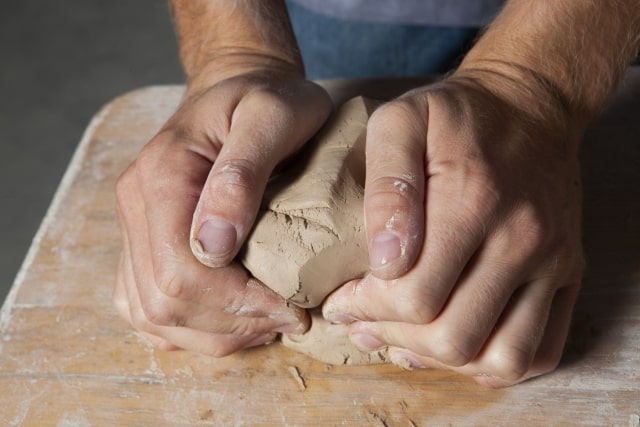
point(217, 237)
point(366, 342)
point(385, 248)
point(405, 360)
point(342, 318)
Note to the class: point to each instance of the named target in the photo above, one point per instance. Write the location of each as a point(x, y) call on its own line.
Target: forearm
point(225, 37)
point(576, 49)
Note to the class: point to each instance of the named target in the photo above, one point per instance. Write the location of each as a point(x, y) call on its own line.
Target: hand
point(472, 207)
point(199, 183)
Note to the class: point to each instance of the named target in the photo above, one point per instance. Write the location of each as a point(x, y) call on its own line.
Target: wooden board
point(66, 359)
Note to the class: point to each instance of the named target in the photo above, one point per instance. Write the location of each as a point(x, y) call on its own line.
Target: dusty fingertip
point(405, 360)
point(335, 311)
point(214, 242)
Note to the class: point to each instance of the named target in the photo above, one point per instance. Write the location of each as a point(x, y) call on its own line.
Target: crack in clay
point(309, 237)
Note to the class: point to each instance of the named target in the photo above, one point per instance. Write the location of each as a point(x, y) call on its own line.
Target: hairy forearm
point(577, 49)
point(230, 36)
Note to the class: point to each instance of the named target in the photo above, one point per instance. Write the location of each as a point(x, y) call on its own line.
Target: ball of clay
point(309, 237)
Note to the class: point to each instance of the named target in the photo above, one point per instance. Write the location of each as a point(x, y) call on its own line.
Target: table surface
point(66, 359)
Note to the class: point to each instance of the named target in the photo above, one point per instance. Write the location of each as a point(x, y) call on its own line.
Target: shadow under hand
point(610, 161)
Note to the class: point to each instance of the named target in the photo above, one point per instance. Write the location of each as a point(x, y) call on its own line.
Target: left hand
point(472, 206)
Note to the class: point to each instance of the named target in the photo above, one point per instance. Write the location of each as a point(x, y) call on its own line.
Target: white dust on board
point(154, 370)
point(76, 418)
point(23, 407)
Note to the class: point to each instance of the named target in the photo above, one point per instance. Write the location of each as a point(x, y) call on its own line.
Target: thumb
point(262, 132)
point(394, 188)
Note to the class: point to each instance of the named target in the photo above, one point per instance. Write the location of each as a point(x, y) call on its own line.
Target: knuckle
point(533, 232)
point(275, 107)
point(146, 161)
point(398, 113)
point(512, 364)
point(416, 308)
point(159, 312)
point(397, 192)
point(449, 350)
point(236, 178)
point(269, 98)
point(170, 283)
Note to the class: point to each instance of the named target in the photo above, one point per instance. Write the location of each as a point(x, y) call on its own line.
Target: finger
point(530, 337)
point(479, 299)
point(159, 204)
point(515, 339)
point(264, 129)
point(509, 353)
point(170, 337)
point(394, 188)
point(174, 289)
point(229, 301)
point(174, 338)
point(551, 348)
point(517, 352)
point(456, 227)
point(122, 297)
point(419, 295)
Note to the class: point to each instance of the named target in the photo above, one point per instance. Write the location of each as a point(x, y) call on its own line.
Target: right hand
point(197, 185)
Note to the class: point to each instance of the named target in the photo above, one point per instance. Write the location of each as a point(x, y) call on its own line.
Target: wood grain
point(66, 359)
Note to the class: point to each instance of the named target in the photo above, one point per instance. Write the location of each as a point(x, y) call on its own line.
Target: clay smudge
point(401, 186)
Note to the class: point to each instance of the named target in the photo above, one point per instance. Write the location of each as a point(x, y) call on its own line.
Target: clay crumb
point(634, 420)
point(295, 373)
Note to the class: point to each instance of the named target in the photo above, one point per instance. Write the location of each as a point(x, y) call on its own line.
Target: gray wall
point(60, 62)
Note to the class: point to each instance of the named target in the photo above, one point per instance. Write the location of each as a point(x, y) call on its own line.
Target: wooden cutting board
point(66, 359)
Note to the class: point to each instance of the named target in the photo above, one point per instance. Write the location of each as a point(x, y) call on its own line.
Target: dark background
point(60, 62)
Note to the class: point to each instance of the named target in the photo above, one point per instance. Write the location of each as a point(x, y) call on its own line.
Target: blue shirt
point(446, 13)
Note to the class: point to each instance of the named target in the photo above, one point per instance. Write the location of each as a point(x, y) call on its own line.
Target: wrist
point(238, 62)
point(522, 87)
point(523, 99)
point(573, 52)
point(219, 40)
